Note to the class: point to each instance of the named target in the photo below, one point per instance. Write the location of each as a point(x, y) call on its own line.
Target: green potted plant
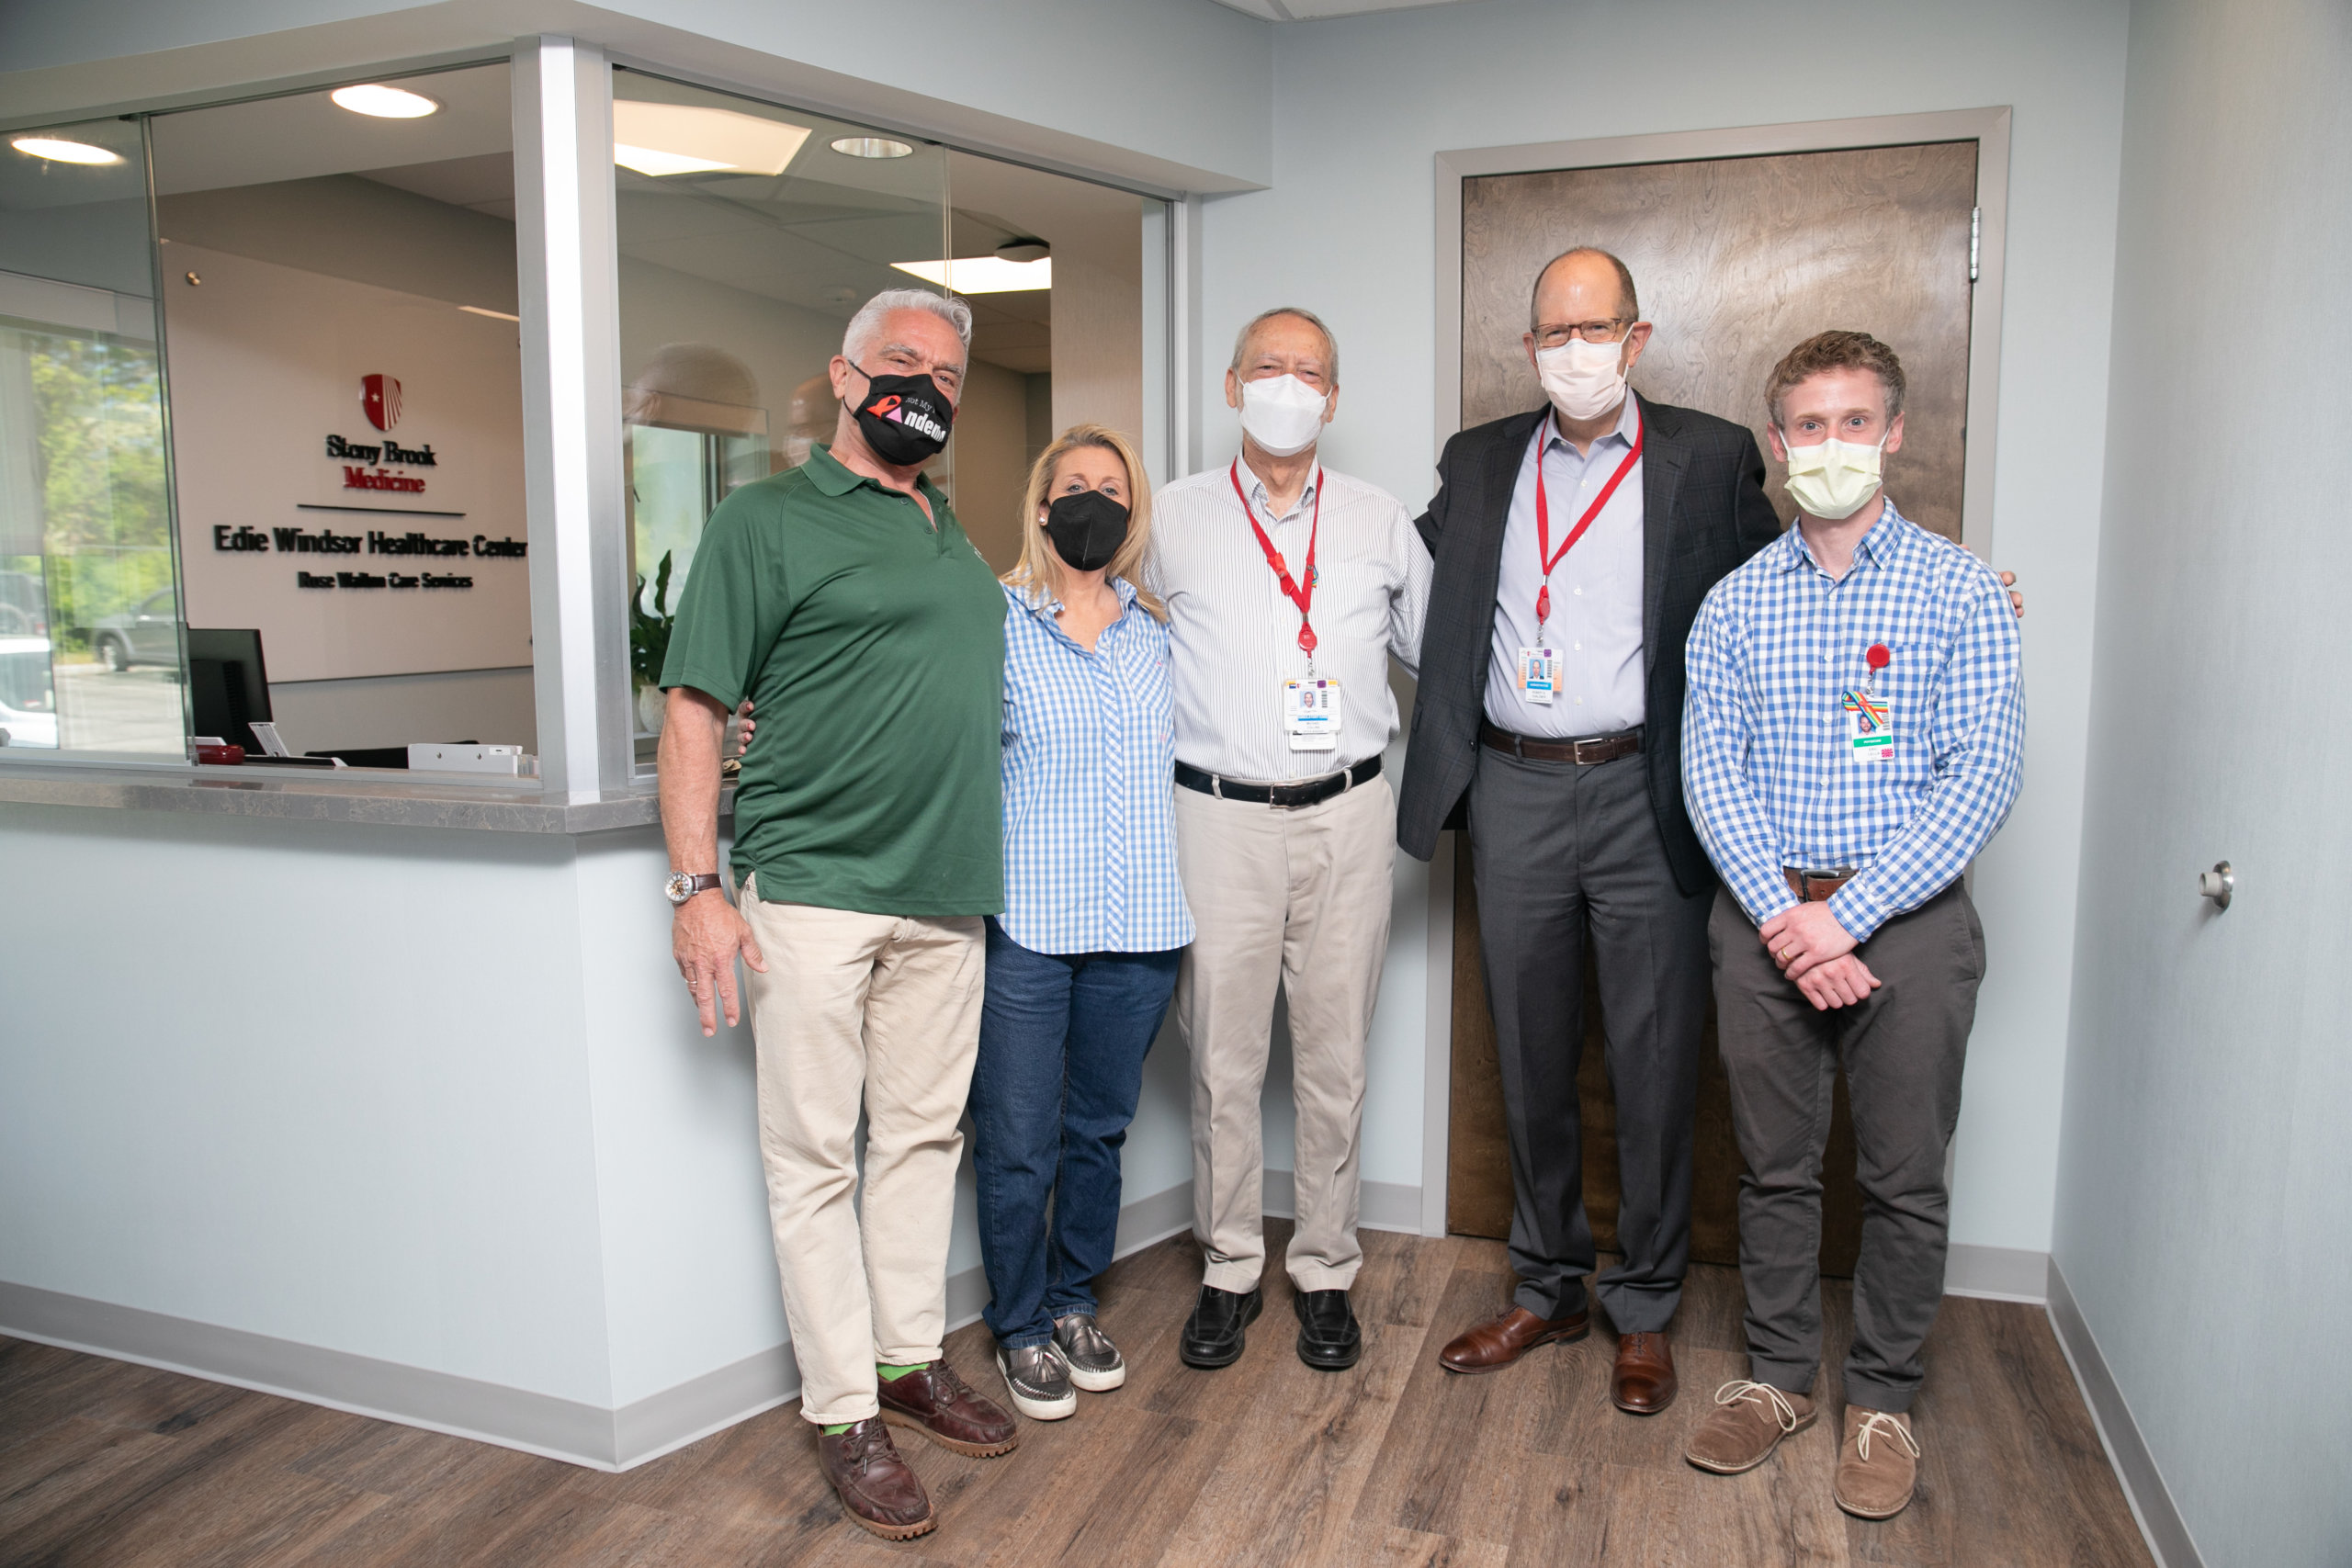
point(649, 644)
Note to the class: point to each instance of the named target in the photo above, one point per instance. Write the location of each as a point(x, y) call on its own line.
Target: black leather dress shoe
point(1213, 1335)
point(1329, 1338)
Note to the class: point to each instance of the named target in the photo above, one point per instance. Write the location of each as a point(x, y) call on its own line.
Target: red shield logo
point(380, 397)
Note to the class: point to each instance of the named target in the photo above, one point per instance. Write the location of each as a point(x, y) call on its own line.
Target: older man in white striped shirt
point(1285, 832)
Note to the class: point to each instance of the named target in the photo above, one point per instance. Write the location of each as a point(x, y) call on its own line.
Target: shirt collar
point(1260, 498)
point(1628, 419)
point(1882, 544)
point(1045, 607)
point(832, 476)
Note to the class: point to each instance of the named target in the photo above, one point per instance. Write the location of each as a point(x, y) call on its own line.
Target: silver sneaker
point(1094, 1363)
point(1039, 1381)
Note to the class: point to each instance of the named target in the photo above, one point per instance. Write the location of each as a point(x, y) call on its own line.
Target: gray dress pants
point(1903, 1049)
point(1558, 850)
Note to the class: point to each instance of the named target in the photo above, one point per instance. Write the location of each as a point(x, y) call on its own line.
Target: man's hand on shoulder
point(705, 933)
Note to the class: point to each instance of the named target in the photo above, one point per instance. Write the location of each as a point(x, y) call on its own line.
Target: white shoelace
point(1880, 1421)
point(1783, 1413)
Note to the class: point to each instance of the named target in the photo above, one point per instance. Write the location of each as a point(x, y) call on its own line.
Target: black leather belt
point(1590, 749)
point(1287, 797)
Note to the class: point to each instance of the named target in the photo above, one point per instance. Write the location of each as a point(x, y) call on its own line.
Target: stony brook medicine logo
point(372, 465)
point(379, 399)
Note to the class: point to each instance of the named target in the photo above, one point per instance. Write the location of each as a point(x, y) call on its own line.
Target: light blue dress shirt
point(1596, 624)
point(1768, 769)
point(1089, 759)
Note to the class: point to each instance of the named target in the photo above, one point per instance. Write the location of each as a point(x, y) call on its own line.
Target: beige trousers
point(1297, 899)
point(883, 1011)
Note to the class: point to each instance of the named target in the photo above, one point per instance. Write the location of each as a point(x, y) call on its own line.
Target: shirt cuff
point(1856, 911)
point(1765, 899)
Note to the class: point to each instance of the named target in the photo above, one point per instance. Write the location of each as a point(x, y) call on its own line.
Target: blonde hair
point(1040, 568)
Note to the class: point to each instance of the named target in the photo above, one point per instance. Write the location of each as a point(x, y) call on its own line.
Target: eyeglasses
point(1591, 332)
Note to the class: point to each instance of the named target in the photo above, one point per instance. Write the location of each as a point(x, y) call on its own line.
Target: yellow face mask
point(1832, 479)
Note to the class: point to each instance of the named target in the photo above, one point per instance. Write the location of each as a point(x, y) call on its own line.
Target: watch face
point(680, 887)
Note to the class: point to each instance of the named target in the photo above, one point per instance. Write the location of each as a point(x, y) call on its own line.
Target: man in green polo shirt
point(844, 600)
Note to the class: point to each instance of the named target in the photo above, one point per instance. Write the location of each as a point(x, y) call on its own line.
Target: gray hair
point(866, 325)
point(1330, 343)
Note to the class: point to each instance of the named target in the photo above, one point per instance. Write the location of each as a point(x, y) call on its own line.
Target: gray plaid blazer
point(1703, 513)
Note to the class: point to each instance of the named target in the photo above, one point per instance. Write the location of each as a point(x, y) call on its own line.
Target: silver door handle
point(2218, 883)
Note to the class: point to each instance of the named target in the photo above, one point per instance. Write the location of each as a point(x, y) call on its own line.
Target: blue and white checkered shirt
point(1768, 765)
point(1089, 753)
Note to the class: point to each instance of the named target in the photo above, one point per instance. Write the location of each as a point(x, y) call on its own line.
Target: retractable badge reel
point(1869, 720)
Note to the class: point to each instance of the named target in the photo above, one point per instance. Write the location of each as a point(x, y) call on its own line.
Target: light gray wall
point(2201, 1196)
point(1363, 106)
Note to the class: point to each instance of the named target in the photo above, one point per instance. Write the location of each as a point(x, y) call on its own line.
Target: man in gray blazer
point(1573, 546)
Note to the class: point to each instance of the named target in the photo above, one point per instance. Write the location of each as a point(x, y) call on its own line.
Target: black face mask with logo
point(905, 419)
point(1087, 529)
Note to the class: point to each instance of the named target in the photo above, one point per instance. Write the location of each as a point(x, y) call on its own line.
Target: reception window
point(747, 236)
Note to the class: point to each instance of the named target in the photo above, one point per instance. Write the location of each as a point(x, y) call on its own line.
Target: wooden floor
point(1395, 1462)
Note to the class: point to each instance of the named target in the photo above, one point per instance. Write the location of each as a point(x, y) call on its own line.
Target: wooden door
point(1737, 260)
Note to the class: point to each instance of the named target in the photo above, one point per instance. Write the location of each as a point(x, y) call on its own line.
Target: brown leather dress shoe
point(934, 1401)
point(1496, 1344)
point(877, 1488)
point(1644, 1382)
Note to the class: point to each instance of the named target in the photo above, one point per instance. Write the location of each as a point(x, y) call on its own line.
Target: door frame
point(1988, 127)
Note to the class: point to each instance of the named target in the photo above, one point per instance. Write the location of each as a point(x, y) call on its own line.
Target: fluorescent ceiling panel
point(688, 139)
point(983, 274)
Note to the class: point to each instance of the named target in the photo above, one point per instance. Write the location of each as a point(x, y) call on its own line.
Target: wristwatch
point(682, 886)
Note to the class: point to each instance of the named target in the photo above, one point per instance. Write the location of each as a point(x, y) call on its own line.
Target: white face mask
point(1583, 379)
point(1832, 479)
point(1282, 414)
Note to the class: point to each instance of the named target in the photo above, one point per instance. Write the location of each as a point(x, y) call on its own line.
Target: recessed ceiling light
point(58, 151)
point(983, 274)
point(689, 138)
point(869, 147)
point(380, 102)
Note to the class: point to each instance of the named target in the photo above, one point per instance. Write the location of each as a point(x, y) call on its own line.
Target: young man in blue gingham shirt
point(1853, 736)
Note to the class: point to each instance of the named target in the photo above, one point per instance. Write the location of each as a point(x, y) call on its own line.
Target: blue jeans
point(1063, 1037)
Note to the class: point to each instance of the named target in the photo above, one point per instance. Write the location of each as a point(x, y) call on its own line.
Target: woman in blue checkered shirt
point(1082, 964)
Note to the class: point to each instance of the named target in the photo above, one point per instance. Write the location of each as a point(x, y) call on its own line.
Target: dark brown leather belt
point(1590, 749)
point(1288, 797)
point(1815, 886)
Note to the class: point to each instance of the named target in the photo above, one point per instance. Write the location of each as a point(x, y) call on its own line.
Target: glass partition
point(90, 645)
point(748, 235)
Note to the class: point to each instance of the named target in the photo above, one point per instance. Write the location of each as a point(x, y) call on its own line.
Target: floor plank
point(1395, 1464)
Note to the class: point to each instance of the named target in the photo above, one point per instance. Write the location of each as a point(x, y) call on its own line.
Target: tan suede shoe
point(1747, 1422)
point(1878, 1464)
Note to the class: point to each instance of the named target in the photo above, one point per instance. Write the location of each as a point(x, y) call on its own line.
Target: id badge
point(1869, 728)
point(1539, 674)
point(1311, 714)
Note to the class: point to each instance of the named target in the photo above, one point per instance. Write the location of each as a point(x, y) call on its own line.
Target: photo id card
point(1311, 714)
point(1869, 728)
point(1539, 674)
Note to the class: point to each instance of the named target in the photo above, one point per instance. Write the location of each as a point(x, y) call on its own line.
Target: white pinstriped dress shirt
point(1234, 633)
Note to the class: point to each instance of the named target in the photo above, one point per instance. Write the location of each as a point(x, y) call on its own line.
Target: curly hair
point(1835, 351)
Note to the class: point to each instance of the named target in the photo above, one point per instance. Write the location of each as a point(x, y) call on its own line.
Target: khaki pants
point(885, 1012)
point(1297, 899)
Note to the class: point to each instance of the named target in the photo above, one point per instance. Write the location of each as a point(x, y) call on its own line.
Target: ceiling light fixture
point(869, 147)
point(656, 140)
point(57, 150)
point(378, 101)
point(983, 274)
point(494, 315)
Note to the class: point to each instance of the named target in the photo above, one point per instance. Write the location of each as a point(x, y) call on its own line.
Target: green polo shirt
point(872, 644)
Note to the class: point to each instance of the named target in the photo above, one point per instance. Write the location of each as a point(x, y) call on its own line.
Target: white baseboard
point(2127, 1450)
point(567, 1429)
point(1998, 1273)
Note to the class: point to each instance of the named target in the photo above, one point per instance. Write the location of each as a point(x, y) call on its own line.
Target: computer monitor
point(228, 686)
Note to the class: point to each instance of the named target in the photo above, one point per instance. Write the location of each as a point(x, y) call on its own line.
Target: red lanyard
point(1302, 597)
point(1543, 551)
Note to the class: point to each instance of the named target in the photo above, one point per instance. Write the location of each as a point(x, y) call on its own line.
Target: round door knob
point(2218, 883)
